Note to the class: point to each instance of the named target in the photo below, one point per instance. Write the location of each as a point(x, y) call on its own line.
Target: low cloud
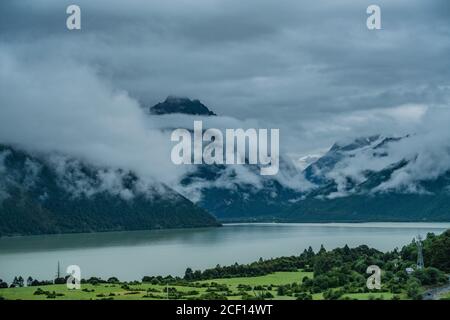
point(311, 69)
point(69, 109)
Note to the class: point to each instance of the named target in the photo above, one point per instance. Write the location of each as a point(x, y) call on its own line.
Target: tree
point(413, 290)
point(197, 275)
point(60, 280)
point(438, 252)
point(304, 296)
point(323, 263)
point(3, 284)
point(331, 294)
point(17, 282)
point(322, 250)
point(281, 291)
point(310, 252)
point(113, 280)
point(188, 274)
point(430, 276)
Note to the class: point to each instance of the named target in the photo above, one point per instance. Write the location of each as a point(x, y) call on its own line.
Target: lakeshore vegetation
point(336, 274)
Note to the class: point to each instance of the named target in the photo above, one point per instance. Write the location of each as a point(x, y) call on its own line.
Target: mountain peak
point(175, 104)
point(354, 143)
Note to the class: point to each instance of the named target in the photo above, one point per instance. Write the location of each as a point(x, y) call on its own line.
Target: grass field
point(277, 278)
point(368, 296)
point(195, 290)
point(117, 292)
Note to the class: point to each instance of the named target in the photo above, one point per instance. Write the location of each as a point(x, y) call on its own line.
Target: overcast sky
point(310, 68)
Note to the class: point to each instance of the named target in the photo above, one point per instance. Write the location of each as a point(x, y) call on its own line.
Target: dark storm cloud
point(305, 66)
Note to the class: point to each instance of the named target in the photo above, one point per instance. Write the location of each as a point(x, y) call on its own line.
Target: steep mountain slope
point(54, 194)
point(353, 181)
point(234, 192)
point(317, 171)
point(369, 195)
point(239, 193)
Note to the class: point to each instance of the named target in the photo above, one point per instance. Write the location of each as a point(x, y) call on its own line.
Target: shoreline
point(374, 224)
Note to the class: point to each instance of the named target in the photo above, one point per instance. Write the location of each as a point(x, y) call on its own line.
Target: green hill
point(40, 194)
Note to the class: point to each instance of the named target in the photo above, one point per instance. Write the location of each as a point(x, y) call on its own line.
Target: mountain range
point(370, 197)
point(334, 196)
point(42, 194)
point(55, 193)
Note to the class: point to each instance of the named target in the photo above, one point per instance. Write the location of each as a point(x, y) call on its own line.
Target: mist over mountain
point(102, 126)
point(369, 178)
point(85, 120)
point(336, 186)
point(363, 181)
point(318, 170)
point(237, 191)
point(56, 194)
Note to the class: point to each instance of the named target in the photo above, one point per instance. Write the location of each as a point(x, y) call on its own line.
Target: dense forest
point(436, 251)
point(40, 195)
point(345, 268)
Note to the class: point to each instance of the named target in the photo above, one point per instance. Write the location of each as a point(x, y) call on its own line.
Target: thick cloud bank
point(64, 107)
point(309, 68)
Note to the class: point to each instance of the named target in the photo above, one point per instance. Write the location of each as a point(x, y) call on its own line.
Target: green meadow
point(231, 288)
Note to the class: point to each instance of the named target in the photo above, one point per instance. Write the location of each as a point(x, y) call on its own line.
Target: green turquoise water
point(131, 255)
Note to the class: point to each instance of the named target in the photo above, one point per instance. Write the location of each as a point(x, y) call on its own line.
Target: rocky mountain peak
point(175, 104)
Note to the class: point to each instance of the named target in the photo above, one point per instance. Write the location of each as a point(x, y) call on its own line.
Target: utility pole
point(420, 264)
point(58, 272)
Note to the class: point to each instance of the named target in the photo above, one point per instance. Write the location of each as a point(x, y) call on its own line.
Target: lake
point(131, 255)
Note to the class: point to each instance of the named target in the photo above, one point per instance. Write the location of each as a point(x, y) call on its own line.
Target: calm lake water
point(131, 255)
